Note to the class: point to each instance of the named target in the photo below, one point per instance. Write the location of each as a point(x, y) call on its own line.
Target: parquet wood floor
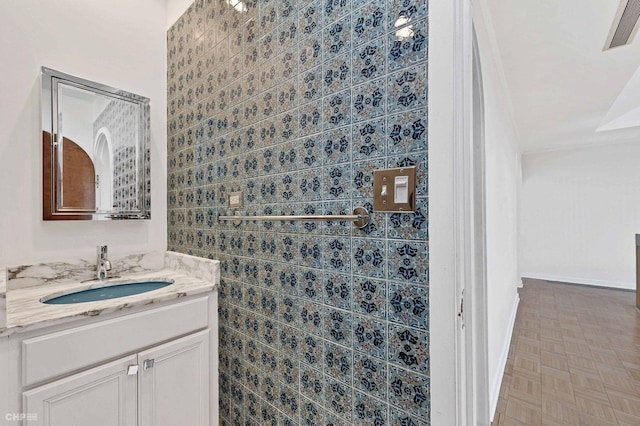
point(574, 358)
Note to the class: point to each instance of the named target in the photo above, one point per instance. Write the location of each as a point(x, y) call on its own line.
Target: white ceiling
point(561, 83)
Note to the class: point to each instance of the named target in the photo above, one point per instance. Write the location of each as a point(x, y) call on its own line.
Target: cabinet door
point(174, 382)
point(103, 396)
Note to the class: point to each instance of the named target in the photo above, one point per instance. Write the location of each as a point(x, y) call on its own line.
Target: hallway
point(574, 358)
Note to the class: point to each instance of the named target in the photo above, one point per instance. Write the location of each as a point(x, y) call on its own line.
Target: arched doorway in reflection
point(103, 161)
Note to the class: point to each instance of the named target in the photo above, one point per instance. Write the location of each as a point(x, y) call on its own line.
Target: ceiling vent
point(625, 24)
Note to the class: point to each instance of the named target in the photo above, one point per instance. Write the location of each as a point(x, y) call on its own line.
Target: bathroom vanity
point(145, 359)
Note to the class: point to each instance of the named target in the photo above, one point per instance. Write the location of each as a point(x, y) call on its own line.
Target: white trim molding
point(446, 81)
point(580, 280)
point(497, 380)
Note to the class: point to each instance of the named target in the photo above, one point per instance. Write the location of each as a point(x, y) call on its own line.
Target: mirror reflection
point(97, 162)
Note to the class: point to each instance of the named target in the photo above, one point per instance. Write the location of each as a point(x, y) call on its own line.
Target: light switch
point(394, 190)
point(401, 189)
point(235, 200)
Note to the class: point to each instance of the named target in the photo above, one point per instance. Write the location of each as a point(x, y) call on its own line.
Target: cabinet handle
point(147, 364)
point(132, 370)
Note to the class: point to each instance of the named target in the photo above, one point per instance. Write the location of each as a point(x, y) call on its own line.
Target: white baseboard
point(583, 281)
point(520, 284)
point(497, 380)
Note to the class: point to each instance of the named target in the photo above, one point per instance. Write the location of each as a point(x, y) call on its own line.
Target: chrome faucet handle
point(102, 252)
point(103, 265)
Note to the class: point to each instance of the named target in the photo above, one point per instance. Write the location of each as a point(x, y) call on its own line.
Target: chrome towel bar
point(360, 217)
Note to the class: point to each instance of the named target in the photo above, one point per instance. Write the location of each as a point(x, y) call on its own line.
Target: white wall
point(175, 9)
point(120, 43)
point(502, 183)
point(580, 214)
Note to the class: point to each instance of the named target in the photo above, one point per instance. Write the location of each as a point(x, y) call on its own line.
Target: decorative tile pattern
point(337, 146)
point(369, 61)
point(409, 391)
point(337, 38)
point(407, 305)
point(311, 316)
point(289, 309)
point(338, 326)
point(310, 119)
point(369, 139)
point(337, 289)
point(368, 257)
point(311, 252)
point(339, 398)
point(311, 351)
point(310, 19)
point(409, 348)
point(399, 418)
point(369, 100)
point(338, 362)
point(336, 74)
point(334, 9)
point(407, 45)
point(311, 382)
point(310, 52)
point(289, 401)
point(337, 110)
point(407, 89)
point(268, 415)
point(370, 411)
point(410, 226)
point(337, 259)
point(252, 409)
point(407, 261)
point(311, 413)
point(336, 182)
point(369, 21)
point(295, 103)
point(370, 336)
point(337, 227)
point(289, 344)
point(369, 296)
point(363, 179)
point(407, 132)
point(370, 375)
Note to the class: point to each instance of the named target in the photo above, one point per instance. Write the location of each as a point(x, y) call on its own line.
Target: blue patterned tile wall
point(295, 103)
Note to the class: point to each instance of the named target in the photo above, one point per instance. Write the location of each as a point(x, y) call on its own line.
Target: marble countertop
point(25, 311)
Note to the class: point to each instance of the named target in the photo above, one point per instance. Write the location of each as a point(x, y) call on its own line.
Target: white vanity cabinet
point(105, 395)
point(154, 366)
point(164, 385)
point(173, 384)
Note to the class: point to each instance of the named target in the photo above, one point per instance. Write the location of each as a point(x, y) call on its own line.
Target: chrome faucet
point(104, 265)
